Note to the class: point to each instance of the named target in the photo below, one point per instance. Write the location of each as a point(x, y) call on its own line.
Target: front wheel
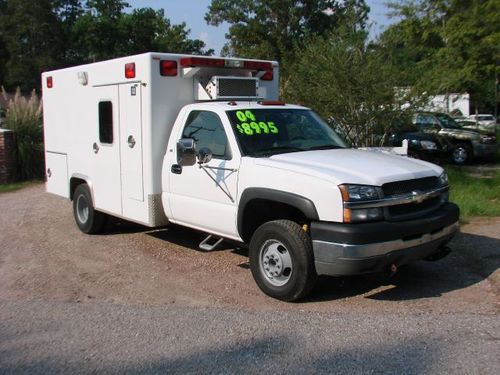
point(462, 154)
point(282, 261)
point(88, 220)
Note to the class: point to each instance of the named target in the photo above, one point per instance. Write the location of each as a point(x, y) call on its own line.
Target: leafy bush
point(24, 117)
point(351, 85)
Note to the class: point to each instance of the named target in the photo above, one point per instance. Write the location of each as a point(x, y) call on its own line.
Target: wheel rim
point(82, 209)
point(275, 262)
point(460, 155)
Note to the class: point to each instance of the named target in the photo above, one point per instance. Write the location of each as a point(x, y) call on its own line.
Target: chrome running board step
point(207, 246)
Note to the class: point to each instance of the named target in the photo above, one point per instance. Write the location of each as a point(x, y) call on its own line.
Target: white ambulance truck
point(204, 142)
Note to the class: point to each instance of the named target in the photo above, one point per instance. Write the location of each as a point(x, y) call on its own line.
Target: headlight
point(357, 193)
point(428, 145)
point(443, 179)
point(353, 193)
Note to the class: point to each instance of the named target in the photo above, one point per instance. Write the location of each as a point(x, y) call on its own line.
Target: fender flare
point(303, 204)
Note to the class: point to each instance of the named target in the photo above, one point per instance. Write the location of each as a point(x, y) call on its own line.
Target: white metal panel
point(131, 142)
point(105, 176)
point(134, 202)
point(196, 200)
point(57, 174)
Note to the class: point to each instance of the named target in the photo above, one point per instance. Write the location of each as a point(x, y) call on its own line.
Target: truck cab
point(277, 177)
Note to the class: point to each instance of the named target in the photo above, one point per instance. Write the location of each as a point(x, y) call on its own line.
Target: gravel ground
point(141, 300)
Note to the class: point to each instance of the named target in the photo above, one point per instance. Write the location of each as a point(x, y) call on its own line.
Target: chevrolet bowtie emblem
point(417, 196)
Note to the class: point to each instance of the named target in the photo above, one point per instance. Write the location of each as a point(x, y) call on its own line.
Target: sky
point(192, 12)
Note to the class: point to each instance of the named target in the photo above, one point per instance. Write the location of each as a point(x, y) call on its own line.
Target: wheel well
point(73, 183)
point(260, 211)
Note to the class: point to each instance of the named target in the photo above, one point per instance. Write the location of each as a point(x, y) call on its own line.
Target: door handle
point(176, 168)
point(95, 147)
point(131, 141)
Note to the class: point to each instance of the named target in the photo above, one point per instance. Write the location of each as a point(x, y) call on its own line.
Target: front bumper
point(483, 150)
point(352, 249)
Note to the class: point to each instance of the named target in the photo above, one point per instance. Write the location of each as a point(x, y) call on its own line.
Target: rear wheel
point(282, 261)
point(462, 154)
point(88, 220)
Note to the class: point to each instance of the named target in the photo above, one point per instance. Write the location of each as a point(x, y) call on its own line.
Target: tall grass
point(24, 117)
point(476, 196)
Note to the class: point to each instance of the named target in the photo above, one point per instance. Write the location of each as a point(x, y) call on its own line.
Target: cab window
point(427, 122)
point(207, 131)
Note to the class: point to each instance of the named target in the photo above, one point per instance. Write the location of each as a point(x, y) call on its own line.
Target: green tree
point(445, 46)
point(349, 84)
point(272, 29)
point(97, 32)
point(31, 34)
point(148, 30)
point(68, 12)
point(106, 31)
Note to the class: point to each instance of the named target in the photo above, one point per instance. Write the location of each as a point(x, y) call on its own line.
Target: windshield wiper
point(323, 147)
point(278, 150)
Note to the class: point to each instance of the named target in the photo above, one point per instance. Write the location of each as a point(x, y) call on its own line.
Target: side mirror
point(186, 153)
point(204, 155)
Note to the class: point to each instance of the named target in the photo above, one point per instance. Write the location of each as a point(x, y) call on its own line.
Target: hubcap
point(275, 262)
point(460, 154)
point(82, 209)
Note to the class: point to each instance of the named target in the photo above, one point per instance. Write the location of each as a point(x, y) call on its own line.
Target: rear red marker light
point(202, 62)
point(130, 70)
point(50, 83)
point(168, 68)
point(268, 76)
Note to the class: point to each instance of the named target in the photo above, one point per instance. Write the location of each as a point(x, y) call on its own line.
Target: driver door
point(205, 198)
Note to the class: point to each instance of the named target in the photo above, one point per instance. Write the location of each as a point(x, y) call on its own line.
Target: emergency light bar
point(207, 62)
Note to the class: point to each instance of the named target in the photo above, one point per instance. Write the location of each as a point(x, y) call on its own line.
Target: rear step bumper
point(352, 249)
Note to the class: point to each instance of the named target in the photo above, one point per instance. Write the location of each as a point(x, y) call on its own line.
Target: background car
point(483, 122)
point(421, 145)
point(466, 144)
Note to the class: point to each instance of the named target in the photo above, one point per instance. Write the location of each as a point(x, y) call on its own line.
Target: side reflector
point(168, 68)
point(50, 82)
point(130, 70)
point(347, 215)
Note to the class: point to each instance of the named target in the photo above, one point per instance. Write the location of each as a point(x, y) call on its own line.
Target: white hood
point(352, 166)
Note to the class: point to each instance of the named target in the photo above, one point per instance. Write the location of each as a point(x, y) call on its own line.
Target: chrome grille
point(407, 186)
point(411, 210)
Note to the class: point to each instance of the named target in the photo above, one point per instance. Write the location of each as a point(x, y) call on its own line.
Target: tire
point(88, 220)
point(462, 154)
point(282, 260)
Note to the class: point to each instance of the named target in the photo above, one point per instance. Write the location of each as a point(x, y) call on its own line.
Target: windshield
point(447, 121)
point(270, 131)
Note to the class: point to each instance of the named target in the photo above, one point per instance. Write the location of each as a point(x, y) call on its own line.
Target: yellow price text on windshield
point(252, 128)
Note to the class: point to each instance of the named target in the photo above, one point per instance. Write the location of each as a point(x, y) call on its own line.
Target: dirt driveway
point(148, 301)
point(43, 256)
